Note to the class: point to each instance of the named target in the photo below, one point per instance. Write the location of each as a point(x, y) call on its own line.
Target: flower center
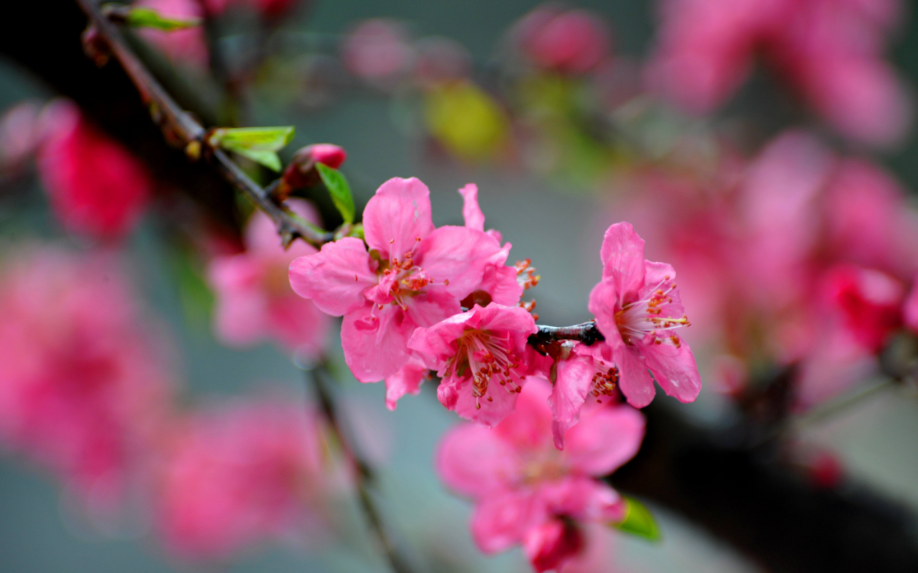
point(604, 382)
point(487, 357)
point(635, 320)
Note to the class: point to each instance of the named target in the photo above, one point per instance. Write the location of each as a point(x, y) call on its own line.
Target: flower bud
point(302, 169)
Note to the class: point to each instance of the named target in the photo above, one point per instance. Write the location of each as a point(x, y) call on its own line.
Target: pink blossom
point(240, 473)
point(377, 51)
point(830, 52)
point(569, 41)
point(96, 187)
point(526, 491)
point(83, 389)
point(254, 298)
point(637, 307)
point(183, 47)
point(475, 351)
point(870, 302)
point(413, 276)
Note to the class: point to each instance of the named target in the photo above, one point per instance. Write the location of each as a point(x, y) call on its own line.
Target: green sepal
point(260, 144)
point(638, 520)
point(339, 190)
point(149, 18)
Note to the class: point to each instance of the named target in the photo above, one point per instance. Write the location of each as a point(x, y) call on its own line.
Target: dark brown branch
point(179, 125)
point(363, 471)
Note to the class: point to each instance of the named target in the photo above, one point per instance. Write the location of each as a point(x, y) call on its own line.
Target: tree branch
point(178, 124)
point(363, 472)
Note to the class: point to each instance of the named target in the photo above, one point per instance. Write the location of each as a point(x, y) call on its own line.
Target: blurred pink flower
point(568, 41)
point(830, 51)
point(238, 474)
point(377, 51)
point(254, 298)
point(186, 47)
point(83, 390)
point(870, 302)
point(20, 135)
point(526, 491)
point(473, 352)
point(413, 276)
point(95, 185)
point(637, 307)
point(588, 371)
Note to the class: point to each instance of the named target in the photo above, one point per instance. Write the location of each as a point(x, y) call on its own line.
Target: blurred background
point(765, 149)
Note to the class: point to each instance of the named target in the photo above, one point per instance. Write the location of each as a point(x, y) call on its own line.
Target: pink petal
point(550, 545)
point(471, 212)
point(375, 346)
point(406, 381)
point(527, 427)
point(239, 320)
point(605, 439)
point(495, 317)
point(398, 217)
point(490, 413)
point(456, 257)
point(675, 370)
point(636, 383)
point(501, 521)
point(603, 301)
point(622, 256)
point(582, 498)
point(472, 462)
point(431, 306)
point(575, 376)
point(336, 277)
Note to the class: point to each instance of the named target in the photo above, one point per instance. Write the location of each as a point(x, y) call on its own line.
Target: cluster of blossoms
point(416, 298)
point(798, 257)
point(84, 394)
point(829, 50)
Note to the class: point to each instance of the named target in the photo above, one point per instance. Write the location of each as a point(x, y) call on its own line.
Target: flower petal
point(635, 382)
point(575, 376)
point(397, 217)
point(472, 462)
point(675, 370)
point(501, 521)
point(605, 438)
point(408, 380)
point(471, 212)
point(456, 257)
point(622, 256)
point(375, 346)
point(336, 277)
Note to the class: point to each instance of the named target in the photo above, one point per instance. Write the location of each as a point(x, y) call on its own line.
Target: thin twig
point(363, 471)
point(182, 126)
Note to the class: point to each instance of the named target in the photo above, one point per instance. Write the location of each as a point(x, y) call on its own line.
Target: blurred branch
point(363, 472)
point(178, 124)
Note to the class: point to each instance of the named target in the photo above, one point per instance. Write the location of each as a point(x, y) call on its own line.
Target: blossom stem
point(363, 472)
point(179, 125)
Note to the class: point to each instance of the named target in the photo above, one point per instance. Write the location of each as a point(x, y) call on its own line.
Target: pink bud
point(302, 169)
point(573, 41)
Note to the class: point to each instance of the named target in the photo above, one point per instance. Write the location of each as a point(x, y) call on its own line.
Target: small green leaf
point(339, 190)
point(260, 144)
point(149, 18)
point(638, 520)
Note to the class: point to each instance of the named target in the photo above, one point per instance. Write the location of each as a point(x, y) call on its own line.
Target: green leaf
point(638, 520)
point(260, 144)
point(149, 18)
point(339, 190)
